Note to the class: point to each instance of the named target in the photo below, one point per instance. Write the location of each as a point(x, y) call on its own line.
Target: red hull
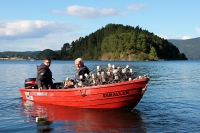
point(117, 95)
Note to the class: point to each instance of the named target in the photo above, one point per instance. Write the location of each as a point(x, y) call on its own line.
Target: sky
point(32, 25)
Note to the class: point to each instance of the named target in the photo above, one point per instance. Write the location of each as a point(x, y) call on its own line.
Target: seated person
point(44, 75)
point(81, 70)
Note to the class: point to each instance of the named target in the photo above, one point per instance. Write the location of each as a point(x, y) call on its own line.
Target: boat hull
point(117, 95)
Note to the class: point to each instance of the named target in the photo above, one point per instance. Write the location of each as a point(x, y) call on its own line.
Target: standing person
point(44, 75)
point(81, 69)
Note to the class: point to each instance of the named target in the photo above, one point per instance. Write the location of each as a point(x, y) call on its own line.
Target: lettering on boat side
point(116, 93)
point(28, 96)
point(39, 93)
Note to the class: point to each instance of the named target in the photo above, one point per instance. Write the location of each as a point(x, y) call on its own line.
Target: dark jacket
point(44, 77)
point(82, 72)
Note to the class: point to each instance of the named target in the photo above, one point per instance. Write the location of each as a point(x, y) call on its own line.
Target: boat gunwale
point(145, 79)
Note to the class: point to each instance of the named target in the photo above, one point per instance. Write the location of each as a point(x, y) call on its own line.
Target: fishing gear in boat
point(108, 75)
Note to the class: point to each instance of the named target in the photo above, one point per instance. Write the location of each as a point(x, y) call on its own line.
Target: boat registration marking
point(115, 93)
point(39, 93)
point(28, 96)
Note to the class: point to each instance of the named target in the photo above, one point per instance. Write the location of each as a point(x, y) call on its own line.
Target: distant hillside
point(47, 53)
point(190, 47)
point(39, 55)
point(24, 55)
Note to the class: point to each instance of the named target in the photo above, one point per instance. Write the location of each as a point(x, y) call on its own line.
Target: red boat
point(116, 95)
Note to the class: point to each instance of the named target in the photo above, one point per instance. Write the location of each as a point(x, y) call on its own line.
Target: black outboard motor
point(30, 83)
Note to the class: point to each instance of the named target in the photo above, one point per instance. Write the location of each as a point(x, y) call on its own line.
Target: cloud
point(33, 29)
point(27, 35)
point(137, 7)
point(186, 37)
point(174, 37)
point(197, 29)
point(170, 36)
point(88, 12)
point(50, 41)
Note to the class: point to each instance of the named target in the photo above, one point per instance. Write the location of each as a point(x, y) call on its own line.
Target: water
point(170, 104)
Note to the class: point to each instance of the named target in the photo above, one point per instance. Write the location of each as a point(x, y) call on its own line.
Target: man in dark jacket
point(81, 69)
point(44, 75)
point(79, 74)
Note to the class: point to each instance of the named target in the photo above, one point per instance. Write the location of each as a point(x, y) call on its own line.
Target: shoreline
point(12, 58)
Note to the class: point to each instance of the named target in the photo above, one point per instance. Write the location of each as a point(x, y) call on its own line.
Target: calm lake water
point(170, 104)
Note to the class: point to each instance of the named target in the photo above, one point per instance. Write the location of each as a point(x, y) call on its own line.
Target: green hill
point(118, 42)
point(46, 52)
point(190, 47)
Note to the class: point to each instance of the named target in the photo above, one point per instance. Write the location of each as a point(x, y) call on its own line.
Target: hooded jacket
point(44, 76)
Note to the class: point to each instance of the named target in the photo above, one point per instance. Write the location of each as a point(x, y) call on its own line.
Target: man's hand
point(40, 88)
point(69, 83)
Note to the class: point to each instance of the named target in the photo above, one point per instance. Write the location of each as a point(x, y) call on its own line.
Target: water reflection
point(83, 120)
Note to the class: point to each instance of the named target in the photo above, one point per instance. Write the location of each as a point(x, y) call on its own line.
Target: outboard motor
point(30, 82)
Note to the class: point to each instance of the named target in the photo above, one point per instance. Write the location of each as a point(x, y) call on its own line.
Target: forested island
point(112, 42)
